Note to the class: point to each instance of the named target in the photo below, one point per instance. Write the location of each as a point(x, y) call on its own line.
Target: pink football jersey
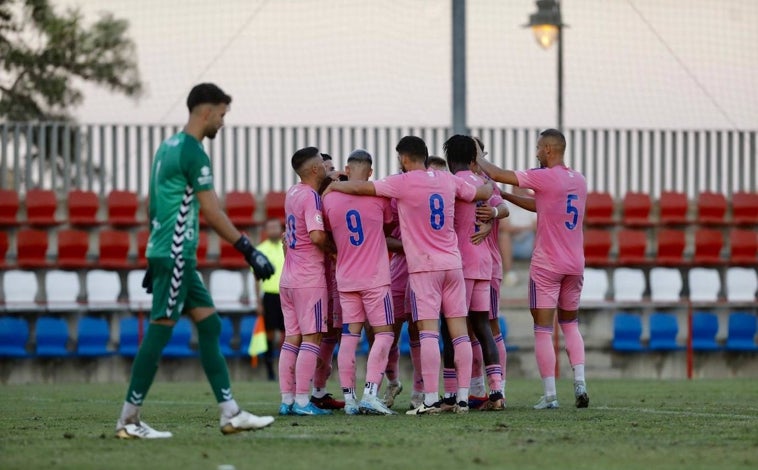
point(304, 261)
point(477, 261)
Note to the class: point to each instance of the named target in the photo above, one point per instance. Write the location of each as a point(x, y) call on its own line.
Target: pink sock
point(430, 360)
point(377, 356)
point(494, 377)
point(305, 367)
point(500, 343)
point(462, 351)
point(346, 359)
point(449, 381)
point(324, 364)
point(543, 350)
point(418, 379)
point(287, 359)
point(393, 363)
point(476, 359)
point(574, 342)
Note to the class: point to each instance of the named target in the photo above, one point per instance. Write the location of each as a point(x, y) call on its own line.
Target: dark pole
point(459, 67)
point(560, 67)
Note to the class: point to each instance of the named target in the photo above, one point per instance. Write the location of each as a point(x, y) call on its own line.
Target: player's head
point(411, 149)
point(436, 163)
point(273, 229)
point(309, 165)
point(550, 147)
point(460, 152)
point(209, 104)
point(358, 166)
point(328, 163)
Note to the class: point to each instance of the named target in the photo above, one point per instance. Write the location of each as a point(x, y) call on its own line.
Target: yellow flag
point(258, 344)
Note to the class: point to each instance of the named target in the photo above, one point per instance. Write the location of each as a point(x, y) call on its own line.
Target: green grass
point(702, 424)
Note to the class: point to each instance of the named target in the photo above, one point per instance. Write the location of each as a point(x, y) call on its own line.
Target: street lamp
point(547, 26)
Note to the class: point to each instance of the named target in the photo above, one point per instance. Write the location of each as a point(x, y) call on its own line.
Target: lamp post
point(547, 26)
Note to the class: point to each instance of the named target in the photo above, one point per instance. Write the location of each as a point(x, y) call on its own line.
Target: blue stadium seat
point(627, 331)
point(129, 340)
point(247, 325)
point(93, 337)
point(705, 326)
point(225, 340)
point(179, 344)
point(14, 334)
point(404, 343)
point(663, 332)
point(51, 337)
point(741, 334)
point(504, 332)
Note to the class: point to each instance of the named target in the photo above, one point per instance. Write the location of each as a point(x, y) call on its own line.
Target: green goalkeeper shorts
point(177, 286)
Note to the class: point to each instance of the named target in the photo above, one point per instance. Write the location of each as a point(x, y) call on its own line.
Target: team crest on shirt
point(205, 176)
point(319, 219)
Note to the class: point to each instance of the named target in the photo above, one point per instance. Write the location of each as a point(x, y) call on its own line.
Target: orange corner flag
point(258, 344)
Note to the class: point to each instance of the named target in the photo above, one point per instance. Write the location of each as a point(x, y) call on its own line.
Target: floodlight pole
point(459, 67)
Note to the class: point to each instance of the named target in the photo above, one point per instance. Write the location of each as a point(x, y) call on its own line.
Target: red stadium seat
point(745, 208)
point(671, 244)
point(632, 247)
point(83, 207)
point(673, 208)
point(274, 203)
point(122, 208)
point(3, 248)
point(8, 207)
point(114, 249)
point(708, 244)
point(229, 257)
point(142, 238)
point(40, 207)
point(240, 207)
point(202, 250)
point(636, 209)
point(743, 247)
point(711, 208)
point(31, 248)
point(597, 245)
point(72, 249)
point(599, 209)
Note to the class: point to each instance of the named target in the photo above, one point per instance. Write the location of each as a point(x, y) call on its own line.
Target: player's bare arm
point(486, 212)
point(355, 187)
point(496, 173)
point(322, 240)
point(484, 230)
point(523, 202)
point(394, 245)
point(484, 191)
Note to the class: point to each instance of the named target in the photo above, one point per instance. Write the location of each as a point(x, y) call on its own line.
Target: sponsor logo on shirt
point(205, 176)
point(319, 219)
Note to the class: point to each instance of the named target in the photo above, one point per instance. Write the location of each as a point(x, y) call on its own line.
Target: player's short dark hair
point(479, 141)
point(360, 155)
point(460, 150)
point(556, 137)
point(326, 156)
point(414, 147)
point(302, 156)
point(435, 160)
point(206, 93)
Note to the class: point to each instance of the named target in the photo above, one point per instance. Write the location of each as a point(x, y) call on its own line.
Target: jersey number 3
point(572, 211)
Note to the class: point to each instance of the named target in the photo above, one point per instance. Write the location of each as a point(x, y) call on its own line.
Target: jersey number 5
point(572, 211)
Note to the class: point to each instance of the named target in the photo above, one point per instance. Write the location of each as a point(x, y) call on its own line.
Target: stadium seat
point(113, 249)
point(20, 289)
point(51, 337)
point(103, 289)
point(711, 208)
point(627, 333)
point(597, 246)
point(202, 251)
point(31, 248)
point(636, 209)
point(274, 202)
point(672, 208)
point(129, 335)
point(595, 286)
point(179, 344)
point(743, 247)
point(72, 249)
point(82, 208)
point(8, 207)
point(404, 343)
point(599, 209)
point(705, 326)
point(93, 335)
point(665, 285)
point(741, 284)
point(122, 208)
point(142, 237)
point(745, 208)
point(741, 332)
point(227, 288)
point(663, 331)
point(229, 257)
point(708, 244)
point(225, 340)
point(40, 207)
point(504, 333)
point(240, 207)
point(628, 285)
point(632, 247)
point(3, 249)
point(62, 288)
point(139, 299)
point(671, 244)
point(704, 284)
point(247, 325)
point(14, 334)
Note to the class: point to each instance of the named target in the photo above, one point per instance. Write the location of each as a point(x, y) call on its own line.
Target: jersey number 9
point(354, 225)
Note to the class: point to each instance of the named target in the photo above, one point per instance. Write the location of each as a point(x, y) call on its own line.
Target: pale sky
point(627, 63)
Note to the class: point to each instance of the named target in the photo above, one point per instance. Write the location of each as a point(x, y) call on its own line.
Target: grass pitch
point(631, 424)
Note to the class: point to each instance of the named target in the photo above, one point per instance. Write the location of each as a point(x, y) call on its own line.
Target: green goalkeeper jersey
point(180, 170)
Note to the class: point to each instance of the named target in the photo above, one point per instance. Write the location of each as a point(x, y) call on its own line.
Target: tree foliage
point(43, 52)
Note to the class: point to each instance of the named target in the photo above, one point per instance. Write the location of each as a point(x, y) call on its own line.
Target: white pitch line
point(678, 413)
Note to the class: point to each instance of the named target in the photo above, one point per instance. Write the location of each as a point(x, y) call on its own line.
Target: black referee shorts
point(272, 312)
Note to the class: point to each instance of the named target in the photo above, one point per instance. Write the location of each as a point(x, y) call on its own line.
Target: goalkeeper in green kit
point(181, 185)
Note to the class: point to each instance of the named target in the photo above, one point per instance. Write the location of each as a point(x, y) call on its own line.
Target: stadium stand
point(665, 284)
point(229, 257)
point(240, 207)
point(743, 246)
point(636, 209)
point(745, 208)
point(247, 325)
point(142, 238)
point(599, 209)
point(41, 205)
point(632, 247)
point(741, 332)
point(114, 249)
point(20, 289)
point(704, 284)
point(705, 326)
point(9, 204)
point(129, 335)
point(708, 244)
point(711, 208)
point(595, 286)
point(274, 203)
point(72, 249)
point(62, 288)
point(671, 243)
point(202, 251)
point(51, 337)
point(627, 333)
point(139, 300)
point(3, 249)
point(227, 288)
point(672, 207)
point(597, 247)
point(628, 285)
point(82, 208)
point(225, 340)
point(31, 249)
point(93, 335)
point(179, 344)
point(14, 334)
point(663, 332)
point(103, 290)
point(122, 208)
point(741, 284)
